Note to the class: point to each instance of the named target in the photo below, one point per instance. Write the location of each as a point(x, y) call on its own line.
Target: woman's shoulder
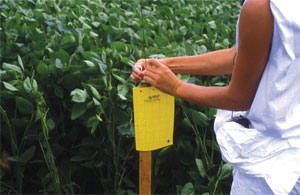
point(255, 12)
point(256, 7)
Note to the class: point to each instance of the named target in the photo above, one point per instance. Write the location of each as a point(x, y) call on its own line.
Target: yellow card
point(153, 118)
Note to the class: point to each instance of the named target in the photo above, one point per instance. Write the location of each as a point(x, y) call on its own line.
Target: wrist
point(179, 89)
point(164, 61)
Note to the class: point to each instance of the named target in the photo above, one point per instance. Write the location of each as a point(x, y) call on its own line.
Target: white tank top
point(276, 106)
point(270, 148)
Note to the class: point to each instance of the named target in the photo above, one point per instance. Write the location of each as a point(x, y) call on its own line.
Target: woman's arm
point(213, 63)
point(255, 35)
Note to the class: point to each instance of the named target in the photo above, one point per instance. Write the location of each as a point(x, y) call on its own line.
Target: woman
point(263, 142)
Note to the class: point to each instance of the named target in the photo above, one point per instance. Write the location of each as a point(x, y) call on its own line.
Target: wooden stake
point(145, 172)
point(145, 167)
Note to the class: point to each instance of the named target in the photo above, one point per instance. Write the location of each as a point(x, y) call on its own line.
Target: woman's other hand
point(137, 70)
point(161, 77)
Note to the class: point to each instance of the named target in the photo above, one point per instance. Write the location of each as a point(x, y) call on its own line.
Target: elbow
point(243, 103)
point(244, 107)
point(241, 98)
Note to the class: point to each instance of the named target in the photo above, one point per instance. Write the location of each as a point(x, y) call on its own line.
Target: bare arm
point(213, 63)
point(255, 35)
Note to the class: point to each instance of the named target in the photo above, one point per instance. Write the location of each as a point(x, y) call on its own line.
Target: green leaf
point(120, 116)
point(68, 41)
point(119, 78)
point(96, 102)
point(226, 171)
point(212, 24)
point(89, 54)
point(19, 122)
point(61, 54)
point(202, 49)
point(194, 175)
point(79, 95)
point(126, 129)
point(96, 94)
point(197, 117)
point(128, 61)
point(103, 56)
point(78, 110)
point(24, 106)
point(187, 123)
point(200, 118)
point(96, 24)
point(157, 56)
point(50, 124)
point(102, 67)
point(27, 85)
point(93, 123)
point(79, 158)
point(89, 63)
point(226, 43)
point(28, 154)
point(12, 33)
point(99, 119)
point(188, 189)
point(34, 85)
point(20, 62)
point(25, 157)
point(93, 34)
point(200, 167)
point(184, 78)
point(122, 91)
point(43, 69)
point(58, 63)
point(6, 94)
point(120, 46)
point(11, 67)
point(2, 72)
point(10, 87)
point(129, 184)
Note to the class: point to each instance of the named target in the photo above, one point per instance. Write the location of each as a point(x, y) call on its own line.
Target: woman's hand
point(161, 77)
point(137, 70)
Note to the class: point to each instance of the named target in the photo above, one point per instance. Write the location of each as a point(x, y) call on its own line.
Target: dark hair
point(242, 2)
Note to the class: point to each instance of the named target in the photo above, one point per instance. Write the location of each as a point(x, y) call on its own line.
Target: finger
point(132, 77)
point(136, 76)
point(150, 74)
point(150, 80)
point(155, 63)
point(141, 62)
point(139, 65)
point(151, 69)
point(137, 72)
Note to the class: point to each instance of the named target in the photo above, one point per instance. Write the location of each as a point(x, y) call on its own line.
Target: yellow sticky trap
point(153, 118)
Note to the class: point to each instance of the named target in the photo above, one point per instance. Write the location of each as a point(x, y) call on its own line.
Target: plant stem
point(19, 171)
point(12, 133)
point(8, 188)
point(216, 185)
point(25, 132)
point(49, 156)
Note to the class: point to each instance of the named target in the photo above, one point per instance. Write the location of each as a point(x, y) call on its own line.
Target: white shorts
point(247, 185)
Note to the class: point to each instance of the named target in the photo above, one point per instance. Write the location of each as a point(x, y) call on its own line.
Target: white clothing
point(255, 185)
point(270, 148)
